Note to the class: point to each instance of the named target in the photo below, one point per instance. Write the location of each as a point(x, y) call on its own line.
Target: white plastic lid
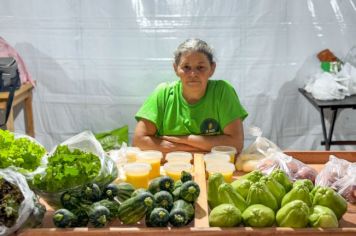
point(177, 167)
point(224, 149)
point(223, 167)
point(216, 157)
point(149, 155)
point(137, 168)
point(179, 156)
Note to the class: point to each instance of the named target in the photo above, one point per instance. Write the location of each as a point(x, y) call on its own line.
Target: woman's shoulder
point(221, 84)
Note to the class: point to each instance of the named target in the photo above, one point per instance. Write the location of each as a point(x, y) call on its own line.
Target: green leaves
point(67, 169)
point(21, 152)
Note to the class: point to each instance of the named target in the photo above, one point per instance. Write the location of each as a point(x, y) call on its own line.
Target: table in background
point(334, 105)
point(22, 95)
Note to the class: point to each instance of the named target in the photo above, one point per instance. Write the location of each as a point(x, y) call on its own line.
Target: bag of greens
point(113, 139)
point(78, 161)
point(19, 206)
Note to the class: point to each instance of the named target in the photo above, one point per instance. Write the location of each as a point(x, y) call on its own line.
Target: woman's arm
point(233, 136)
point(145, 139)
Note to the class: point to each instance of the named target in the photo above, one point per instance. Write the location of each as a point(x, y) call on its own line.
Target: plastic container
point(225, 168)
point(216, 157)
point(231, 151)
point(137, 174)
point(179, 157)
point(131, 154)
point(153, 158)
point(174, 169)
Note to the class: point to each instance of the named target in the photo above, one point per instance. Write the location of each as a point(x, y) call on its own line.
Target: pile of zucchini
point(91, 205)
point(163, 203)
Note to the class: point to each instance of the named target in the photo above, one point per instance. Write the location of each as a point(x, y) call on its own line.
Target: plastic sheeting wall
point(96, 61)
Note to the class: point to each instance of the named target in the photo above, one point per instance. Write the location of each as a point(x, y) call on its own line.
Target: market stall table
point(200, 226)
point(334, 105)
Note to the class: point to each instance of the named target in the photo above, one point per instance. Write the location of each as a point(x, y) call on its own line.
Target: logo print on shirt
point(210, 127)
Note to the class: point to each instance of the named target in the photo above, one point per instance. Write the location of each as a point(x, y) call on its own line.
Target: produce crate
point(117, 228)
point(200, 226)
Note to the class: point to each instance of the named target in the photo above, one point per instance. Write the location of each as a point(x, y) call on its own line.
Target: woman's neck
point(192, 96)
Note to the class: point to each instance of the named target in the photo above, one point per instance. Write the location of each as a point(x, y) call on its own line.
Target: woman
point(194, 113)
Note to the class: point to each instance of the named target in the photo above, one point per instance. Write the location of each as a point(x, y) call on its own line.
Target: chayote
point(294, 214)
point(241, 186)
point(253, 176)
point(214, 181)
point(274, 187)
point(327, 197)
point(258, 215)
point(306, 182)
point(225, 215)
point(259, 194)
point(282, 178)
point(323, 217)
point(228, 195)
point(300, 192)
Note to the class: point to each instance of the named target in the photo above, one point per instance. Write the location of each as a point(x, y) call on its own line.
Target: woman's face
point(194, 70)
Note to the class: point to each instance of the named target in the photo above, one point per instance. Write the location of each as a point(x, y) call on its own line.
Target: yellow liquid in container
point(153, 158)
point(227, 177)
point(155, 169)
point(131, 154)
point(174, 175)
point(138, 180)
point(225, 168)
point(231, 151)
point(137, 174)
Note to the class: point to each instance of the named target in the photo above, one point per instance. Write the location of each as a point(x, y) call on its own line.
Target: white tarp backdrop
point(96, 61)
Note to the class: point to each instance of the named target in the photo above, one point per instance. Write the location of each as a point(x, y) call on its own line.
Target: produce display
point(157, 205)
point(21, 152)
point(259, 200)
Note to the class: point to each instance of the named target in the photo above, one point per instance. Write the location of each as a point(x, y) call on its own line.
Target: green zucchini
point(186, 176)
point(178, 216)
point(98, 215)
point(159, 217)
point(90, 193)
point(176, 193)
point(161, 183)
point(163, 199)
point(70, 200)
point(63, 218)
point(138, 191)
point(112, 206)
point(82, 218)
point(187, 207)
point(177, 184)
point(134, 209)
point(121, 191)
point(189, 191)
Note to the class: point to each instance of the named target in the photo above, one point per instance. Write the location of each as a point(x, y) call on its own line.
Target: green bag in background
point(114, 138)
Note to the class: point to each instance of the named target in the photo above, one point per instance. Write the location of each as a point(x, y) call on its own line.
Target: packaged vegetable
point(332, 171)
point(346, 186)
point(19, 206)
point(249, 157)
point(78, 161)
point(225, 215)
point(20, 151)
point(294, 214)
point(323, 217)
point(258, 215)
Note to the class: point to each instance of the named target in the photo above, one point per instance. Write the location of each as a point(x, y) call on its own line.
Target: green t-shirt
point(172, 115)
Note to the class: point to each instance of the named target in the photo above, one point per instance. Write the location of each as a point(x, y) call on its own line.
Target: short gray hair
point(194, 45)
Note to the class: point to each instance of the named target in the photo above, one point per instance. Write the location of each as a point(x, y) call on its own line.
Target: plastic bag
point(256, 151)
point(294, 168)
point(27, 204)
point(333, 170)
point(325, 86)
point(50, 188)
point(114, 138)
point(22, 152)
point(346, 186)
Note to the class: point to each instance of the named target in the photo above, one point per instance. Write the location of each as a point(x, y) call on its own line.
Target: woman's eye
point(186, 68)
point(201, 68)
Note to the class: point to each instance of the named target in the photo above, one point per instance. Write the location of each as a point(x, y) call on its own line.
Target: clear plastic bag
point(294, 168)
point(85, 142)
point(346, 186)
point(333, 170)
point(249, 157)
point(27, 205)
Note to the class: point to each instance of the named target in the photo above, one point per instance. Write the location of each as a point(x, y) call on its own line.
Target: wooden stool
point(22, 95)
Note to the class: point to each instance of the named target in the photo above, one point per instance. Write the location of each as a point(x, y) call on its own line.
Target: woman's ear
point(213, 66)
point(175, 66)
